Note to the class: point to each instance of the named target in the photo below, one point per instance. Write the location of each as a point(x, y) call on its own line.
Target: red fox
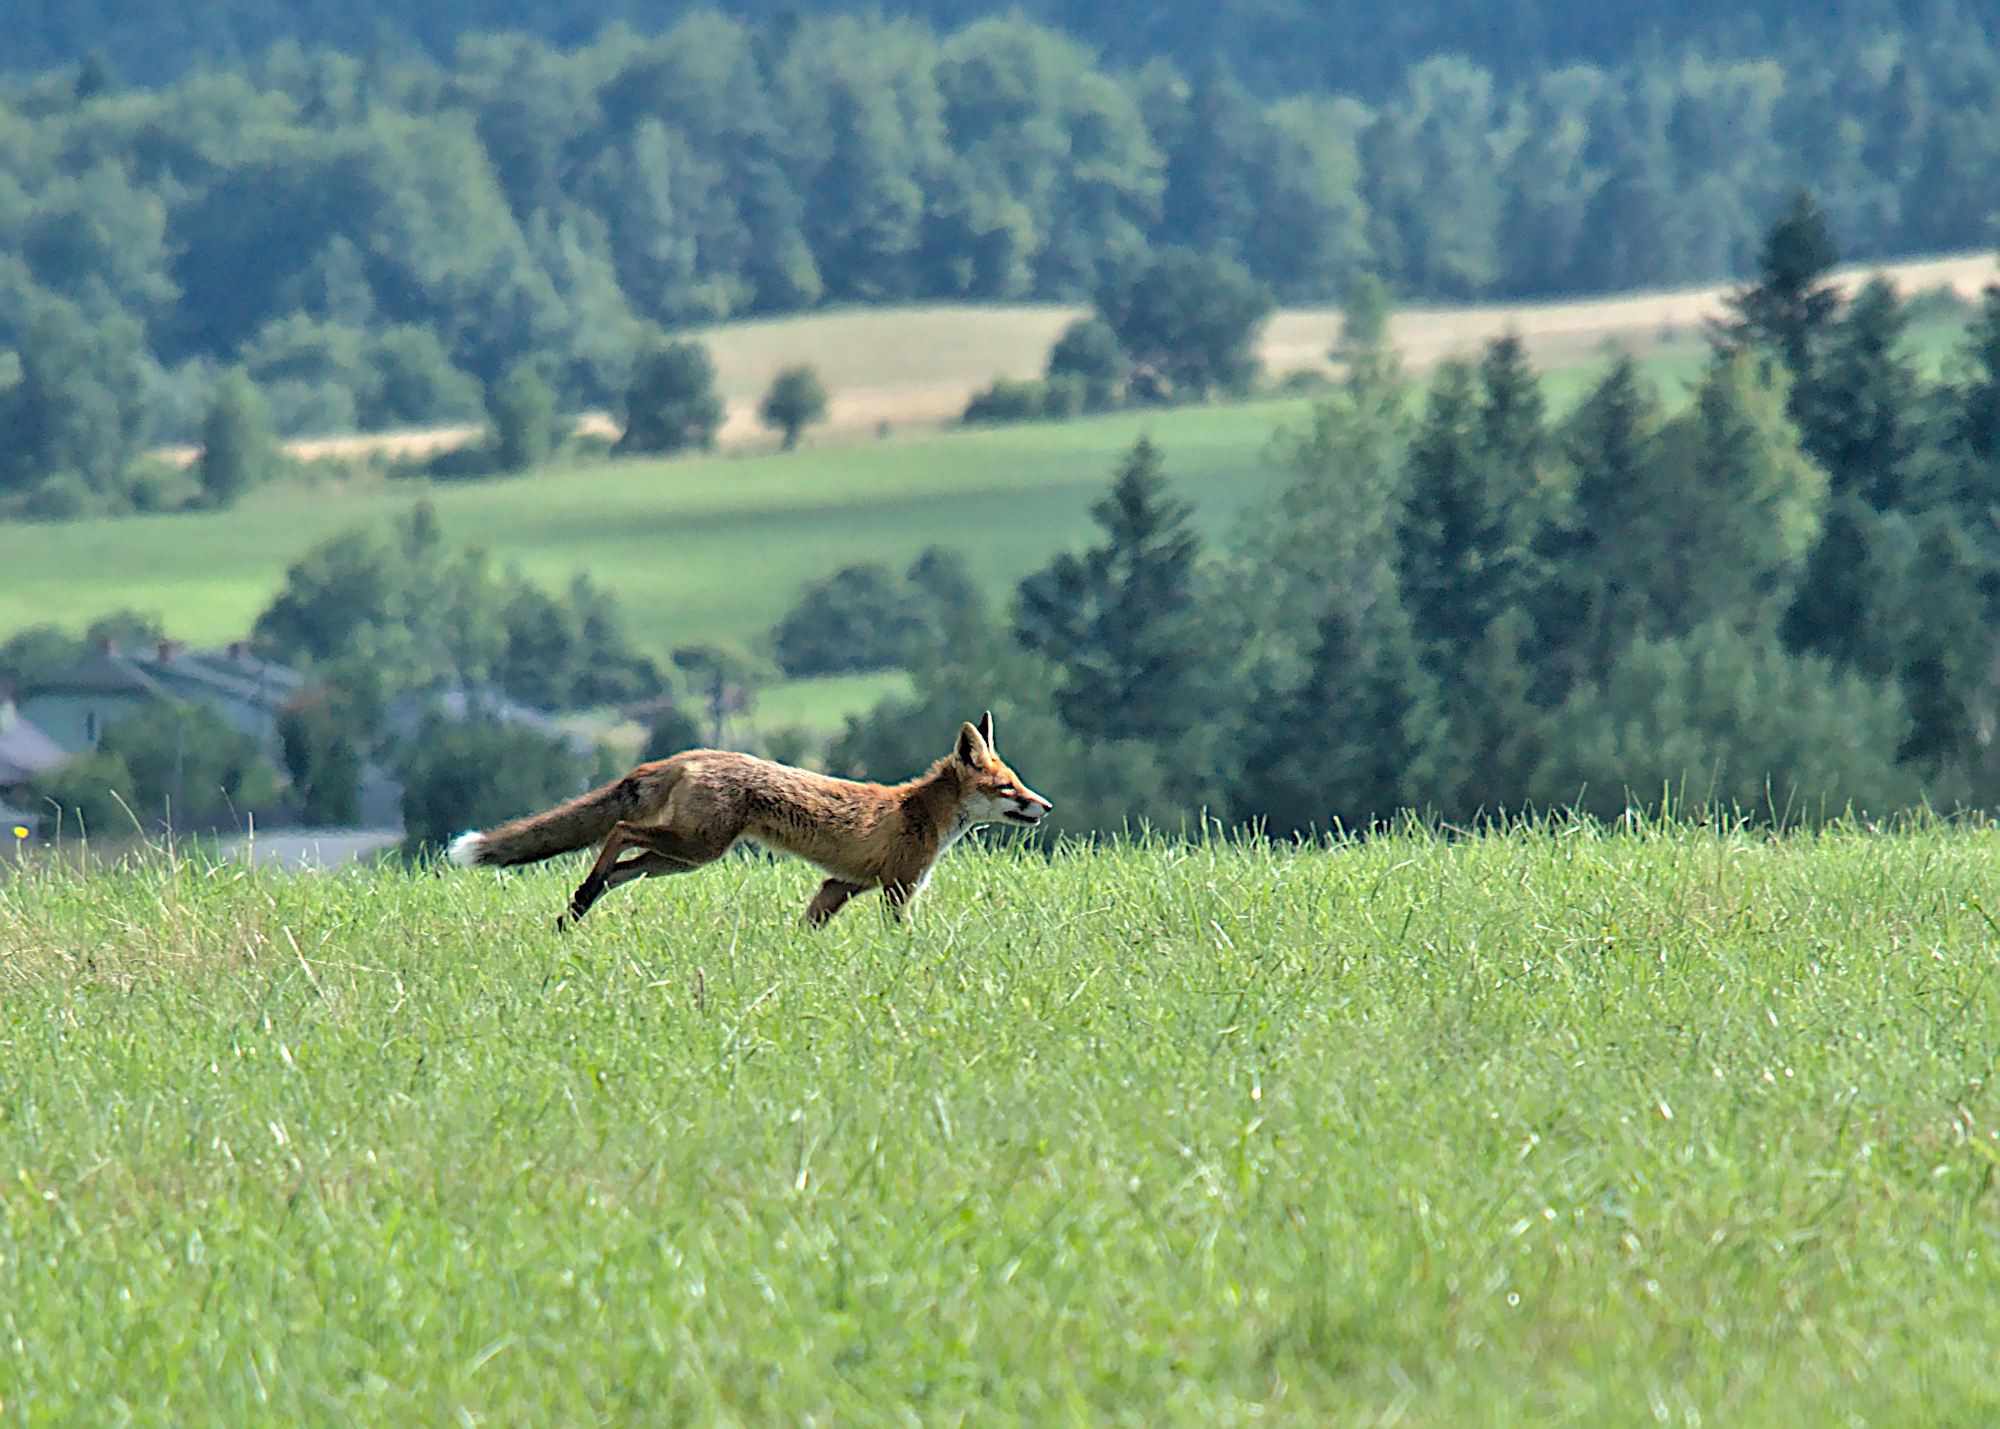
point(683, 812)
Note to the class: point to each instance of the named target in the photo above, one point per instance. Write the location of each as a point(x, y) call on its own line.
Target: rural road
point(301, 850)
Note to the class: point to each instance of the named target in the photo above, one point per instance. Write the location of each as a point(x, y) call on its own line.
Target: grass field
point(701, 548)
point(1671, 1126)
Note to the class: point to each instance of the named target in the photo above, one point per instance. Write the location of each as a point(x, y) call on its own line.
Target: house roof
point(24, 750)
point(234, 673)
point(103, 672)
point(488, 701)
point(171, 672)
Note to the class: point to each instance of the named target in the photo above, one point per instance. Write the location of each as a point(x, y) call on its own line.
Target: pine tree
point(1114, 619)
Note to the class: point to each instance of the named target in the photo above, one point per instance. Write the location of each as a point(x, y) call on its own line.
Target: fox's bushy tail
point(581, 822)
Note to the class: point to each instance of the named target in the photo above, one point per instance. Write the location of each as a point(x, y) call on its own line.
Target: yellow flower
point(19, 832)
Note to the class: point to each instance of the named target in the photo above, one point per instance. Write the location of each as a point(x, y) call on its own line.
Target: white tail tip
point(465, 850)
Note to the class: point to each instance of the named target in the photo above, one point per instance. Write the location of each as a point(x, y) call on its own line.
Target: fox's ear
point(972, 747)
point(986, 732)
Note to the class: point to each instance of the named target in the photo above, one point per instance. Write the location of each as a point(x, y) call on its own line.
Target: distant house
point(73, 707)
point(24, 752)
point(67, 713)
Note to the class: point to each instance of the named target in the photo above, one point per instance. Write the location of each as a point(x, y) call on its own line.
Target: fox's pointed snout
point(1028, 808)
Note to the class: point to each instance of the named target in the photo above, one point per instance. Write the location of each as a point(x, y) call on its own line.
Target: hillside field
point(1558, 1126)
point(698, 548)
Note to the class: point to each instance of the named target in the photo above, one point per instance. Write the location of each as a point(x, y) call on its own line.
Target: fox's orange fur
point(683, 812)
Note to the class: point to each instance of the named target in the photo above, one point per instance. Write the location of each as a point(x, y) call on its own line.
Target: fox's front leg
point(897, 895)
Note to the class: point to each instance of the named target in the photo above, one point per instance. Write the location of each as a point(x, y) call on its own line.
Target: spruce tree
point(1829, 614)
point(1973, 413)
point(1448, 542)
point(1115, 618)
point(1594, 600)
point(1736, 505)
point(1790, 307)
point(1927, 626)
point(1866, 413)
point(1337, 751)
point(1512, 416)
point(1462, 544)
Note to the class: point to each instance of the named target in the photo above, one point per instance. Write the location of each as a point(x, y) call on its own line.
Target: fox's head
point(993, 792)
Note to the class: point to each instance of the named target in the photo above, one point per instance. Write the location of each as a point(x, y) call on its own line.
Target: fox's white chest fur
point(962, 823)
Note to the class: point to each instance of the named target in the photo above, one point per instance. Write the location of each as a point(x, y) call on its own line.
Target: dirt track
point(886, 391)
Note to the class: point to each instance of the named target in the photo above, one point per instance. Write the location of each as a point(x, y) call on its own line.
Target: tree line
point(376, 238)
point(1285, 47)
point(1776, 599)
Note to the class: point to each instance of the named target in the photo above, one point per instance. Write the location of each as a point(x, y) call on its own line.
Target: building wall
point(76, 721)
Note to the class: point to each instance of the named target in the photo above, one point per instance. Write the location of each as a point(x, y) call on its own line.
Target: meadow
point(1563, 1125)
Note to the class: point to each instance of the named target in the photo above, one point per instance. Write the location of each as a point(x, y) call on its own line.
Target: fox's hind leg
point(643, 865)
point(665, 851)
point(831, 898)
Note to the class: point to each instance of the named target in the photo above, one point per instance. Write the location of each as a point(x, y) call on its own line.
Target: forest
point(1278, 46)
point(379, 237)
point(1775, 601)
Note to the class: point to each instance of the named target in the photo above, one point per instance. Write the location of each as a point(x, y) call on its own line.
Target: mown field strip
point(1561, 1126)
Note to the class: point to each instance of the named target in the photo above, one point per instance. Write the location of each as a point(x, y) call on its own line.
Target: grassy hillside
point(698, 548)
point(1673, 1126)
